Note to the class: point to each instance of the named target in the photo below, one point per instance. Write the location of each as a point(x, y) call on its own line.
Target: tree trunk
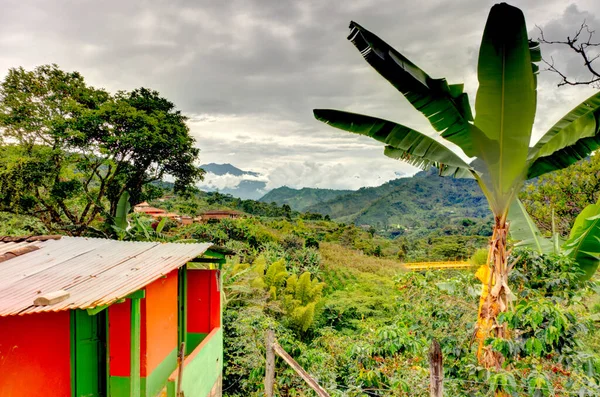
point(494, 296)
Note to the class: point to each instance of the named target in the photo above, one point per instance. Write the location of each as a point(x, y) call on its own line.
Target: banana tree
point(497, 137)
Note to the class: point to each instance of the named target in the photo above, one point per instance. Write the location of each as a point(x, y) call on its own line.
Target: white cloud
point(228, 181)
point(249, 72)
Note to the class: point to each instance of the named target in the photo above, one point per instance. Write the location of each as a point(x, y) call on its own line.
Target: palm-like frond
point(446, 106)
point(402, 142)
point(583, 244)
point(505, 103)
point(524, 230)
point(572, 138)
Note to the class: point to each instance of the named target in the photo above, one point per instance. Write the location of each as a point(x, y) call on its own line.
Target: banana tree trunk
point(494, 296)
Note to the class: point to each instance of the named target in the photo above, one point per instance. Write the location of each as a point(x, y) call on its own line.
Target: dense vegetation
point(562, 195)
point(363, 324)
point(68, 150)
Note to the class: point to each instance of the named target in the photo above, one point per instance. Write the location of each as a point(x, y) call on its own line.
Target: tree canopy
point(565, 193)
point(70, 150)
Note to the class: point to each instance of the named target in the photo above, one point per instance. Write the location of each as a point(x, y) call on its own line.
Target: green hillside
point(300, 199)
point(423, 202)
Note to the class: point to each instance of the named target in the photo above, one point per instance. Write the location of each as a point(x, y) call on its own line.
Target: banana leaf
point(403, 142)
point(583, 244)
point(524, 230)
point(161, 225)
point(505, 103)
point(571, 139)
point(426, 164)
point(123, 208)
point(445, 106)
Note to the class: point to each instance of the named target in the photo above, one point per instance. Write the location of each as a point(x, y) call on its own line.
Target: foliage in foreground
point(562, 195)
point(375, 323)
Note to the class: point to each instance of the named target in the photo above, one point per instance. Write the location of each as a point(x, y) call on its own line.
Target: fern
point(300, 300)
point(276, 274)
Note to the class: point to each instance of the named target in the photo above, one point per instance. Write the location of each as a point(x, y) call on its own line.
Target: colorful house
point(95, 317)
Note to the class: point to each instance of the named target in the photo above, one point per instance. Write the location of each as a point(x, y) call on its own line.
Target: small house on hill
point(95, 317)
point(219, 214)
point(154, 212)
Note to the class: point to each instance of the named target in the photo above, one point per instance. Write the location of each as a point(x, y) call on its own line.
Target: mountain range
point(421, 203)
point(424, 201)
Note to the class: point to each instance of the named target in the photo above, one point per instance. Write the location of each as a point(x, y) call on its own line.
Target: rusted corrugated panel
point(11, 246)
point(96, 272)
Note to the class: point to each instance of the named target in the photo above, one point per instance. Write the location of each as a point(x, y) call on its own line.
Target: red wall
point(159, 322)
point(119, 338)
point(35, 355)
point(158, 328)
point(204, 301)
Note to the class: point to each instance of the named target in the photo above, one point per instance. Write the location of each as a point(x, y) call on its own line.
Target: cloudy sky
point(249, 72)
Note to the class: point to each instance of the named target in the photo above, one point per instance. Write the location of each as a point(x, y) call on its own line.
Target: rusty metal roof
point(94, 271)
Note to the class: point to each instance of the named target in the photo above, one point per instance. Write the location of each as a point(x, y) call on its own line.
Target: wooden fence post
point(270, 364)
point(299, 370)
point(436, 370)
point(180, 362)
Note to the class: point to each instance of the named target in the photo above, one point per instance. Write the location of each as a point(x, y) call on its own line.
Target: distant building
point(145, 208)
point(95, 317)
point(219, 214)
point(173, 216)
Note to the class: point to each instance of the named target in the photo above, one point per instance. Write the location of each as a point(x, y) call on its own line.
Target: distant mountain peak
point(228, 179)
point(226, 168)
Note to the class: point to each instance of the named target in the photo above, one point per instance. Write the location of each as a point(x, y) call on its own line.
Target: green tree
point(564, 193)
point(69, 150)
point(498, 136)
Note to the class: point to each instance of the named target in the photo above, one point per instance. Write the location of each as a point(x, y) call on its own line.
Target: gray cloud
point(249, 72)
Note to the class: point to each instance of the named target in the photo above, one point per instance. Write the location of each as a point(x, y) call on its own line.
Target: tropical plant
point(562, 195)
point(583, 244)
point(300, 299)
point(498, 136)
point(123, 208)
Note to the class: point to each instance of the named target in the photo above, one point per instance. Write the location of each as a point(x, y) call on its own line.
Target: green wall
point(200, 375)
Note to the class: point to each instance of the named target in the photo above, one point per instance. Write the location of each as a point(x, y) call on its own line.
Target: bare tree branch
point(581, 45)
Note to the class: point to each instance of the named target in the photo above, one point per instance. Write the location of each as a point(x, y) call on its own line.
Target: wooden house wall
point(204, 305)
point(159, 334)
point(35, 355)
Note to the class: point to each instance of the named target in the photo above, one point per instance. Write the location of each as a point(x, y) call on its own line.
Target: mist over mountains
point(424, 201)
point(228, 179)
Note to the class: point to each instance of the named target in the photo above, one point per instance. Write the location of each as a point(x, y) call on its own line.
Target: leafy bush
point(300, 299)
point(292, 242)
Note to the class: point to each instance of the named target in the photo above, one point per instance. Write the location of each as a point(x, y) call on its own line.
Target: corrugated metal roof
point(94, 271)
